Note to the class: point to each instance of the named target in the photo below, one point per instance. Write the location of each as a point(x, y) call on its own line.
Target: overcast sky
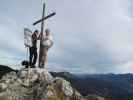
point(90, 36)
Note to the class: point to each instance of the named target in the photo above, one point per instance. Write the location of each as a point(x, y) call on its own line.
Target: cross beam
point(50, 15)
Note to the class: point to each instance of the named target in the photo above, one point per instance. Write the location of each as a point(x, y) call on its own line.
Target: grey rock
point(3, 87)
point(65, 86)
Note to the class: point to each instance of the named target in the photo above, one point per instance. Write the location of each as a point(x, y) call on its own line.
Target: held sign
point(27, 37)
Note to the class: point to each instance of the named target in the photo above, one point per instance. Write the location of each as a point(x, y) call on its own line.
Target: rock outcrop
point(38, 85)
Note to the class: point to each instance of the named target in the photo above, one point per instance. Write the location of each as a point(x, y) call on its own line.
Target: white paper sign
point(27, 37)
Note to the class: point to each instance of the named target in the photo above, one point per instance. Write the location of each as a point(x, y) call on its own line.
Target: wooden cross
point(41, 51)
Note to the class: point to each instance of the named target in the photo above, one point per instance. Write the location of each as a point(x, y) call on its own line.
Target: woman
point(47, 43)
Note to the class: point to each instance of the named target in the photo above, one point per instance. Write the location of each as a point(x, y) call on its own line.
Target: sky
point(90, 36)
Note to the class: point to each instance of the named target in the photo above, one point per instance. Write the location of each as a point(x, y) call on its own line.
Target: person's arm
point(41, 36)
point(33, 37)
point(46, 38)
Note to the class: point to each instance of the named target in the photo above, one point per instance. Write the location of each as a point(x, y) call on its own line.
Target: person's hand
point(39, 37)
point(45, 38)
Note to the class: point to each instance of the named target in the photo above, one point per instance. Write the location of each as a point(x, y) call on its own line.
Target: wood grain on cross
point(41, 51)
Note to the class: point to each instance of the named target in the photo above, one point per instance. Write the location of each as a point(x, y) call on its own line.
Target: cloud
point(11, 37)
point(92, 36)
point(125, 67)
point(95, 34)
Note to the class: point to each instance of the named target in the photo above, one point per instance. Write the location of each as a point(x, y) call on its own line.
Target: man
point(33, 49)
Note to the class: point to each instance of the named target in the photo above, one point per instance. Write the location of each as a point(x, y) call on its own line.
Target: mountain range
point(110, 86)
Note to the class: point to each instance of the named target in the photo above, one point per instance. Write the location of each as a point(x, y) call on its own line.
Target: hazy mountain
point(5, 69)
point(111, 86)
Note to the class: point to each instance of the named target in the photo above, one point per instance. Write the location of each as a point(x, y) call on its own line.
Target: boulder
point(64, 85)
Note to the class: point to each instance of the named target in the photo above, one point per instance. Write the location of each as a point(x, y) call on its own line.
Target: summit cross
point(42, 20)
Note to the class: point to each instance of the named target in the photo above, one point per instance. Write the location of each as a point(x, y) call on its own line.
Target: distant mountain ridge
point(5, 69)
point(110, 86)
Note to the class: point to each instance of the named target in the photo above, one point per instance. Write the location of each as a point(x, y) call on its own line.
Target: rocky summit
point(38, 84)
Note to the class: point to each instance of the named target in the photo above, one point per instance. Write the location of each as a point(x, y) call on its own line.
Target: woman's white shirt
point(48, 41)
